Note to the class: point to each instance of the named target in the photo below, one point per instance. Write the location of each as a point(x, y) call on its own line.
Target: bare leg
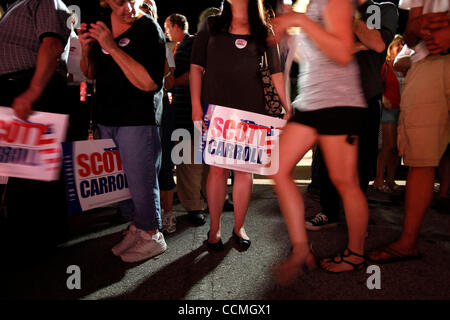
point(341, 159)
point(381, 166)
point(444, 175)
point(242, 193)
point(216, 190)
point(419, 192)
point(392, 158)
point(295, 141)
point(167, 200)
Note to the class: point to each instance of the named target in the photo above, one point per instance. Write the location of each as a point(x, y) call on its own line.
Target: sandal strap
point(351, 253)
point(356, 266)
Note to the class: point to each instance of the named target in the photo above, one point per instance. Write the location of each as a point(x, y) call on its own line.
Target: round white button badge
point(124, 42)
point(240, 43)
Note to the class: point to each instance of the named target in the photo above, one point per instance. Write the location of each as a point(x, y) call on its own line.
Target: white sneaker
point(147, 246)
point(130, 238)
point(169, 222)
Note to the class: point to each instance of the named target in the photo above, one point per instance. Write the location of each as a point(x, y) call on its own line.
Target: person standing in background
point(126, 54)
point(393, 84)
point(370, 50)
point(189, 175)
point(424, 123)
point(33, 34)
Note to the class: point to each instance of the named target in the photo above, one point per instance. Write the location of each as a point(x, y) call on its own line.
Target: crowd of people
point(366, 99)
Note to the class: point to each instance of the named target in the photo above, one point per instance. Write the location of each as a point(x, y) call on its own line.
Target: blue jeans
point(140, 152)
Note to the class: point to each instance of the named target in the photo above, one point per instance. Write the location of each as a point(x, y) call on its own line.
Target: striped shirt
point(24, 26)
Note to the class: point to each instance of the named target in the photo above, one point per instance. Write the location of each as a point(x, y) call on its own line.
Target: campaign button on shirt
point(240, 43)
point(124, 42)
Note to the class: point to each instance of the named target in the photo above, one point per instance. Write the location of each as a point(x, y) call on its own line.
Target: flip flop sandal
point(393, 256)
point(340, 259)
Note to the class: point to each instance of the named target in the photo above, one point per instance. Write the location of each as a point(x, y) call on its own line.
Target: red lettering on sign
point(94, 158)
point(241, 132)
point(108, 162)
point(229, 126)
point(217, 127)
point(86, 170)
point(97, 163)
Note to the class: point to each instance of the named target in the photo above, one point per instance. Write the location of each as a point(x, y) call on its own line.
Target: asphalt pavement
point(187, 271)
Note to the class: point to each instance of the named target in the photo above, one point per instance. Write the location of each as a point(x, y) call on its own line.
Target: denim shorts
point(388, 116)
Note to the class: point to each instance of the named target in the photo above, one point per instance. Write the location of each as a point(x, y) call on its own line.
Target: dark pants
point(367, 162)
point(37, 210)
point(165, 177)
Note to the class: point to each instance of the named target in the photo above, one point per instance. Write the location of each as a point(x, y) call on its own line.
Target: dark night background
point(191, 9)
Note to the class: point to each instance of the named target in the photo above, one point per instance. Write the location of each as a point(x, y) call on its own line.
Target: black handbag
point(271, 97)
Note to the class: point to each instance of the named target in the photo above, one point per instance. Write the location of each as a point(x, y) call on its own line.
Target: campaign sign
point(241, 140)
point(94, 174)
point(31, 149)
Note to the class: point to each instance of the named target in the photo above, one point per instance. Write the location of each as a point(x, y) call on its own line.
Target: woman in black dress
point(224, 71)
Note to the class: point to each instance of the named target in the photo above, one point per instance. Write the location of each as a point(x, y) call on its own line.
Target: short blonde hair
point(398, 38)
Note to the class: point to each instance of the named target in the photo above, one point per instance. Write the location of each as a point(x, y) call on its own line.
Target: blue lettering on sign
point(19, 156)
point(235, 151)
point(102, 185)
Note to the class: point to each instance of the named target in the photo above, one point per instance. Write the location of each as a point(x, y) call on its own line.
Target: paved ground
point(188, 271)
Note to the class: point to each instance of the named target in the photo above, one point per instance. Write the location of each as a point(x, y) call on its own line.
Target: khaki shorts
point(424, 128)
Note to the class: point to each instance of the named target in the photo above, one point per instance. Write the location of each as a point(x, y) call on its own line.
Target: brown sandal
point(392, 255)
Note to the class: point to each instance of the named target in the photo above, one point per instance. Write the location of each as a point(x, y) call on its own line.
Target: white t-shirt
point(420, 49)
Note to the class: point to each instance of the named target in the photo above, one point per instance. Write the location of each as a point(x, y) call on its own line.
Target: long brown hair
point(257, 19)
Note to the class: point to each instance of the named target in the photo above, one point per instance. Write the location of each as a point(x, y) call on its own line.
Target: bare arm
point(402, 64)
point(438, 41)
point(420, 26)
point(87, 64)
point(133, 70)
point(335, 40)
point(278, 83)
point(182, 80)
point(47, 61)
point(196, 82)
point(169, 79)
point(370, 38)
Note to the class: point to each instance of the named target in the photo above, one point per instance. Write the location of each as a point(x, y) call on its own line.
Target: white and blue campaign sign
point(31, 149)
point(240, 140)
point(94, 174)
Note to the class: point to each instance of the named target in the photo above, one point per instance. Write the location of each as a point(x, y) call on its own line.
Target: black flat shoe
point(228, 205)
point(196, 217)
point(241, 241)
point(216, 246)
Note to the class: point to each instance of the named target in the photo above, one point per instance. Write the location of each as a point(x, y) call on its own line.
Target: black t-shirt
point(232, 78)
point(118, 101)
point(370, 62)
point(181, 94)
